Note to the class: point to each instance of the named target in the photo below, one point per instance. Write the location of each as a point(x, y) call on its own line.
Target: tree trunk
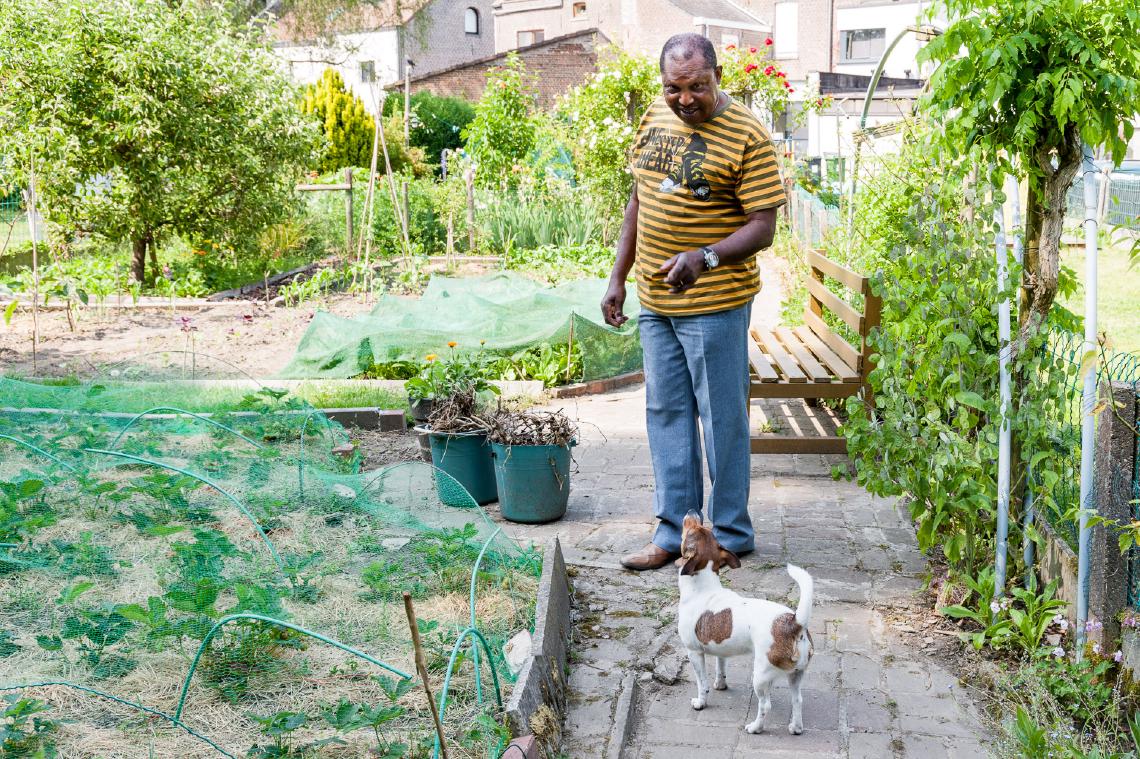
point(1046, 212)
point(138, 258)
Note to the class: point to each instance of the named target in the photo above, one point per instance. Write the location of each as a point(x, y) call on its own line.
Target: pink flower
point(187, 324)
point(247, 318)
point(752, 50)
point(768, 41)
point(1118, 657)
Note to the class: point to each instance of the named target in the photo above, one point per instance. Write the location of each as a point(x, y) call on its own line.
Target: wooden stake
point(421, 667)
point(450, 238)
point(31, 203)
point(469, 178)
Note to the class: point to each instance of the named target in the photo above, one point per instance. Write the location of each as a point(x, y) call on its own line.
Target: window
point(578, 10)
point(786, 31)
point(530, 37)
point(471, 21)
point(368, 71)
point(727, 39)
point(862, 44)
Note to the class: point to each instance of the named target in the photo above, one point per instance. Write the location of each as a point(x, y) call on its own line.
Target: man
point(704, 202)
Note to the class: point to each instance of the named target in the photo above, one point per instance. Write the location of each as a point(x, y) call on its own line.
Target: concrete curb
point(542, 681)
point(623, 717)
point(598, 386)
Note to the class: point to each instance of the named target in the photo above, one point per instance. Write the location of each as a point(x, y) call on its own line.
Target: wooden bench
point(813, 361)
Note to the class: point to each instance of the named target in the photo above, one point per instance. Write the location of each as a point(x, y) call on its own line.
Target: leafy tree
point(143, 117)
point(504, 132)
point(1021, 83)
point(437, 122)
point(348, 127)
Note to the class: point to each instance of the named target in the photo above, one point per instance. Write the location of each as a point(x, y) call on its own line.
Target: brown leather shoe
point(651, 557)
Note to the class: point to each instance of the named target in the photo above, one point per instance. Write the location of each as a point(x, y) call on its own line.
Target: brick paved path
point(865, 695)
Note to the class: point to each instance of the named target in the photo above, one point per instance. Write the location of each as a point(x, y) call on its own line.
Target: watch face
point(711, 258)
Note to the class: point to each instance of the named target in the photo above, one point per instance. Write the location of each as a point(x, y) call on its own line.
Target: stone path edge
point(542, 680)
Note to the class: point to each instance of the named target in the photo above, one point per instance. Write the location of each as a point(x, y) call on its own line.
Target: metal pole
point(1004, 437)
point(1088, 401)
point(1027, 548)
point(407, 101)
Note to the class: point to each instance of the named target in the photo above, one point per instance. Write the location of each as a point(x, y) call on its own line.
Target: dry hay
point(531, 428)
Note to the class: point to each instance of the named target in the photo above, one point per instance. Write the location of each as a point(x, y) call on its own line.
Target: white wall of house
point(863, 33)
point(346, 53)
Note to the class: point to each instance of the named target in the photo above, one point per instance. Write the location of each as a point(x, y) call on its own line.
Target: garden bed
point(123, 545)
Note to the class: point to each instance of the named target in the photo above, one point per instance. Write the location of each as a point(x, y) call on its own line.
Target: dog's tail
point(803, 579)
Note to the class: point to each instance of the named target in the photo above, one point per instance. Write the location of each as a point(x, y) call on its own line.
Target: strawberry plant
point(24, 732)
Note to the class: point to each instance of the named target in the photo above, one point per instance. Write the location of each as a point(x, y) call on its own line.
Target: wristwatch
point(712, 260)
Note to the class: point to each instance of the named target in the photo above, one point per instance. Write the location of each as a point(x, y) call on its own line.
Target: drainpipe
point(1088, 401)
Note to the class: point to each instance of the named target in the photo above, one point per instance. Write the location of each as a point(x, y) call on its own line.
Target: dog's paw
point(795, 729)
point(754, 727)
point(697, 703)
point(720, 684)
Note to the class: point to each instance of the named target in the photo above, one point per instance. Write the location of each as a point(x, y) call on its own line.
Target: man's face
point(691, 88)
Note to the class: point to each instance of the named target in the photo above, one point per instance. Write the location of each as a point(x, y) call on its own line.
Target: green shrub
point(502, 136)
point(437, 122)
point(602, 116)
point(933, 431)
point(348, 127)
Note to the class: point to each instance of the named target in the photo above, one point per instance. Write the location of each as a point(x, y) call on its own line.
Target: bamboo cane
point(421, 667)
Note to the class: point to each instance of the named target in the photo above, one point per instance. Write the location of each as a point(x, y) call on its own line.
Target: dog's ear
point(689, 567)
point(729, 559)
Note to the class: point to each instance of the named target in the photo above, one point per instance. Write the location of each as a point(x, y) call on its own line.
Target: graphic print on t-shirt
point(659, 152)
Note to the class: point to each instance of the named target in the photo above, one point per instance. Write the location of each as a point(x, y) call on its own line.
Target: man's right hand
point(612, 304)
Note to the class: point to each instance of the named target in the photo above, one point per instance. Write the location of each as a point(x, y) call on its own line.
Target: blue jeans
point(697, 367)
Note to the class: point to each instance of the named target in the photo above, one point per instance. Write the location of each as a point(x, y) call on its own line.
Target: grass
point(137, 397)
point(1117, 295)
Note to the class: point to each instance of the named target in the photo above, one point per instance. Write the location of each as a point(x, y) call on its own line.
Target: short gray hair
point(686, 45)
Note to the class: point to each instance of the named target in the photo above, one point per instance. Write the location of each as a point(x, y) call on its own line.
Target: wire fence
point(14, 231)
point(1060, 508)
point(1118, 200)
point(810, 217)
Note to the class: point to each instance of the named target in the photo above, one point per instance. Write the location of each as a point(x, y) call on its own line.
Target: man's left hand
point(683, 270)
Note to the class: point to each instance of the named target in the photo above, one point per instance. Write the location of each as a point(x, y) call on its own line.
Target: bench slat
point(845, 312)
point(844, 372)
point(760, 363)
point(807, 362)
point(787, 365)
point(841, 347)
point(850, 279)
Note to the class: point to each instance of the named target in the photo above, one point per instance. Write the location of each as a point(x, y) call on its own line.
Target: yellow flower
point(452, 344)
point(430, 357)
point(482, 342)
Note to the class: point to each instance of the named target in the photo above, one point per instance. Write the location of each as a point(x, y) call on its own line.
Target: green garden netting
point(227, 582)
point(498, 312)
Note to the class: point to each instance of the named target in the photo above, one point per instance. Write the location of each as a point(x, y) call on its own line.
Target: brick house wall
point(815, 35)
point(435, 38)
point(555, 65)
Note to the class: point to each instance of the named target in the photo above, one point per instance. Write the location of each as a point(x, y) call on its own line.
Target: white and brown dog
point(716, 621)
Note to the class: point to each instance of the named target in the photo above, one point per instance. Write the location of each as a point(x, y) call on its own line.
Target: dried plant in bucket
point(509, 428)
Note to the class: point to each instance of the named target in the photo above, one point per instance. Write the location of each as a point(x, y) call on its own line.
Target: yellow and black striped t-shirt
point(695, 186)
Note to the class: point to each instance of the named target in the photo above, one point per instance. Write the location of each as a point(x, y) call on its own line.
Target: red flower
point(768, 71)
point(768, 41)
point(730, 47)
point(790, 90)
point(780, 74)
point(752, 50)
point(819, 102)
point(750, 68)
point(786, 85)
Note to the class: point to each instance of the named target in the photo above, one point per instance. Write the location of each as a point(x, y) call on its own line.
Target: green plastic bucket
point(466, 458)
point(533, 481)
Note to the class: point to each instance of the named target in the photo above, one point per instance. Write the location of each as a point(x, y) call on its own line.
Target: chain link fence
point(1118, 202)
